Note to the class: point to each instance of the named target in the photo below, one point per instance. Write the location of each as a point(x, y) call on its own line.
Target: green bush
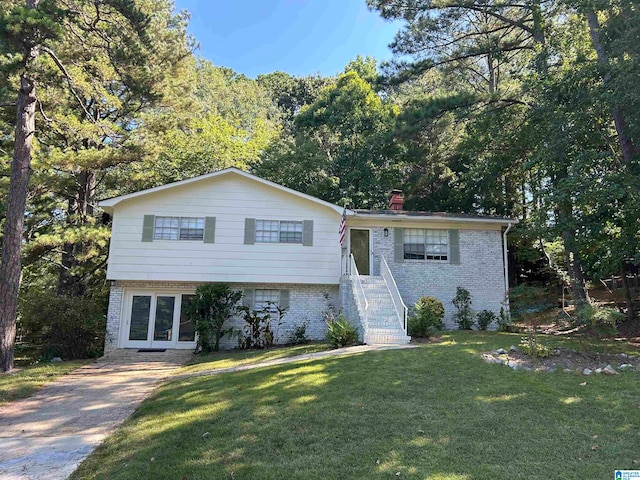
point(485, 318)
point(62, 326)
point(427, 317)
point(527, 299)
point(258, 331)
point(212, 306)
point(600, 321)
point(530, 346)
point(504, 321)
point(340, 333)
point(464, 313)
point(298, 336)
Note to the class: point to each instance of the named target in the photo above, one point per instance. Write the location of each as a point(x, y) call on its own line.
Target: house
point(279, 245)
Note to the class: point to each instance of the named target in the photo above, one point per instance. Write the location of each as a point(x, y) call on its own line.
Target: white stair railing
point(361, 298)
point(401, 308)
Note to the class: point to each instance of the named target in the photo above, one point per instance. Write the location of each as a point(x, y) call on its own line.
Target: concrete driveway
point(47, 436)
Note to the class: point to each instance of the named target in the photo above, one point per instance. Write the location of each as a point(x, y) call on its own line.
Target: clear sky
point(300, 37)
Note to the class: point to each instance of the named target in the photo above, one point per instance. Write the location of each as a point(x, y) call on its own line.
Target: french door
point(158, 320)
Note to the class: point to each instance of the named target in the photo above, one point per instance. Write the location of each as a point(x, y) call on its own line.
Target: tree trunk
point(629, 150)
point(577, 283)
point(11, 264)
point(81, 206)
point(627, 292)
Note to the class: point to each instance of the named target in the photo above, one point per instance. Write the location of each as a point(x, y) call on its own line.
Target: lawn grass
point(436, 412)
point(24, 382)
point(234, 358)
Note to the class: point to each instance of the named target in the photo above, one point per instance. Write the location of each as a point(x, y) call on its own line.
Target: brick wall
point(480, 271)
point(306, 302)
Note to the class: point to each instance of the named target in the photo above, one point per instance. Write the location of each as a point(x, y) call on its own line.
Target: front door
point(360, 249)
point(157, 320)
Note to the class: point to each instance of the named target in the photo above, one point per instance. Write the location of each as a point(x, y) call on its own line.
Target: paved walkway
point(46, 436)
point(307, 356)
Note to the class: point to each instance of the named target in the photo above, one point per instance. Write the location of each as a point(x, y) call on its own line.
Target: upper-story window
point(178, 228)
point(426, 244)
point(277, 231)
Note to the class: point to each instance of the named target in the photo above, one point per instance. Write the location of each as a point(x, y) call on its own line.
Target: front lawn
point(235, 358)
point(435, 412)
point(24, 382)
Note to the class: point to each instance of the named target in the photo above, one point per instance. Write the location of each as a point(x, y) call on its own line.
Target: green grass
point(436, 412)
point(236, 358)
point(26, 381)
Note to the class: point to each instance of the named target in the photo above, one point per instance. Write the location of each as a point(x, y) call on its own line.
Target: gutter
point(506, 267)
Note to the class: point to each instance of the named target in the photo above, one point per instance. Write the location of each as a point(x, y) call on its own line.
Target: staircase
point(383, 325)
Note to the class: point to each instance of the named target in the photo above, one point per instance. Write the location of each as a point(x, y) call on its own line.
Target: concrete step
point(373, 339)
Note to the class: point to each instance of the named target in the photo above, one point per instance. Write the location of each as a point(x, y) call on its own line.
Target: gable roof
point(109, 203)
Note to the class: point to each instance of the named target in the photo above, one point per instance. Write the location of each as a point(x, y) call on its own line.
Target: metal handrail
point(401, 308)
point(363, 304)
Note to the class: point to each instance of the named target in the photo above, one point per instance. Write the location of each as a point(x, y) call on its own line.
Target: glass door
point(360, 248)
point(140, 313)
point(164, 321)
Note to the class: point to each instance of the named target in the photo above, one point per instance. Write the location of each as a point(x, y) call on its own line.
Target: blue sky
point(300, 37)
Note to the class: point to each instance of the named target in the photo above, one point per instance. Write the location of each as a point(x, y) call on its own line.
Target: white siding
point(231, 199)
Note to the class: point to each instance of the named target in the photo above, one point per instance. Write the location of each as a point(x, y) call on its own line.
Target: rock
point(586, 371)
point(206, 434)
point(623, 355)
point(513, 348)
point(598, 370)
point(491, 359)
point(567, 370)
point(56, 360)
point(583, 384)
point(500, 351)
point(609, 370)
point(624, 366)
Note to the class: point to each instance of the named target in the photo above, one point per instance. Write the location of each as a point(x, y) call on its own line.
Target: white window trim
point(425, 259)
point(180, 218)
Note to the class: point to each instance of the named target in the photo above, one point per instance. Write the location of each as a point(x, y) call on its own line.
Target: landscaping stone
point(598, 370)
point(513, 348)
point(625, 366)
point(500, 351)
point(56, 360)
point(586, 371)
point(609, 370)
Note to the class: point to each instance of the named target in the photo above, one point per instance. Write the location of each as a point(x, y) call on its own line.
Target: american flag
point(343, 226)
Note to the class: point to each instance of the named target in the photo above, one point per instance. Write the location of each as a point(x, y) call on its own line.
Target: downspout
point(505, 261)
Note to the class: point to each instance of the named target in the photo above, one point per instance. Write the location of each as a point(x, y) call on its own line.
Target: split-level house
point(282, 246)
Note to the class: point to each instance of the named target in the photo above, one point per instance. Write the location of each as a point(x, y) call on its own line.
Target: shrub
point(212, 306)
point(600, 321)
point(298, 336)
point(464, 313)
point(62, 326)
point(530, 346)
point(504, 321)
point(258, 331)
point(526, 300)
point(427, 317)
point(340, 333)
point(485, 318)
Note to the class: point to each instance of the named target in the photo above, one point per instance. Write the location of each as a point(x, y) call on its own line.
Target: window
point(266, 298)
point(275, 231)
point(421, 244)
point(179, 228)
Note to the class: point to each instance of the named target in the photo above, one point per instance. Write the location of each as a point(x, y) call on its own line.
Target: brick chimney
point(397, 200)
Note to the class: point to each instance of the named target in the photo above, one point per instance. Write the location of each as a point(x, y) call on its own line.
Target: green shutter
point(454, 247)
point(249, 231)
point(247, 300)
point(147, 228)
point(284, 299)
point(307, 233)
point(398, 245)
point(209, 229)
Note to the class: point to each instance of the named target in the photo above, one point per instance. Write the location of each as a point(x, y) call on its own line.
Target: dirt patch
point(563, 359)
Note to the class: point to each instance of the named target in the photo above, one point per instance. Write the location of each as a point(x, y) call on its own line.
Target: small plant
point(464, 313)
point(485, 318)
point(212, 306)
point(530, 346)
point(427, 317)
point(600, 321)
point(340, 333)
point(258, 331)
point(504, 321)
point(298, 336)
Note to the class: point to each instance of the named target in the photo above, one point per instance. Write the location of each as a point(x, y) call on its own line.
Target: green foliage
point(504, 321)
point(213, 305)
point(259, 326)
point(298, 336)
point(530, 346)
point(526, 299)
point(464, 314)
point(600, 321)
point(340, 333)
point(427, 317)
point(63, 326)
point(485, 318)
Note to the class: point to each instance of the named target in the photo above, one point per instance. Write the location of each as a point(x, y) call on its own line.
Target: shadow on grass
point(434, 412)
